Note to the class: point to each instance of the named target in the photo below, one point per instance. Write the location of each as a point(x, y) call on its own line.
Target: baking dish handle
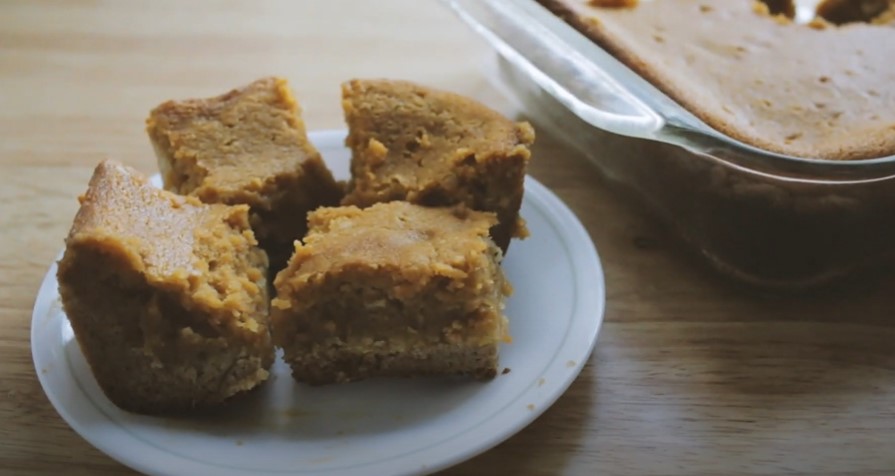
point(559, 69)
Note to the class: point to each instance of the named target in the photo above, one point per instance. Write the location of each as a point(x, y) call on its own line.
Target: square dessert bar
point(247, 146)
point(167, 296)
point(395, 289)
point(434, 148)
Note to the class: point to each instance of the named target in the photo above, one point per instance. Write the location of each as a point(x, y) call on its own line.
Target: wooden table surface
point(692, 375)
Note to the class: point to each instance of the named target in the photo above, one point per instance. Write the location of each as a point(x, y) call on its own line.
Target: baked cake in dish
point(167, 296)
point(435, 148)
point(810, 90)
point(248, 146)
point(396, 290)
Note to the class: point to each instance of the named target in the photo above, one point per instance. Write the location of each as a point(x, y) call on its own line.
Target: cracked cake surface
point(167, 296)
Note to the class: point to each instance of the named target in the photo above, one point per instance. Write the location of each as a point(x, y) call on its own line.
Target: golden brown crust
point(384, 290)
point(434, 148)
point(167, 296)
point(248, 146)
point(755, 82)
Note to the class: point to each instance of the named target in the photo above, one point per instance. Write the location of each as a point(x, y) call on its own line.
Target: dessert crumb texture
point(167, 290)
point(248, 146)
point(435, 148)
point(395, 289)
point(167, 296)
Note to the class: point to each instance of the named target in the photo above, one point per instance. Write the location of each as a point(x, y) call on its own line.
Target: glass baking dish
point(762, 217)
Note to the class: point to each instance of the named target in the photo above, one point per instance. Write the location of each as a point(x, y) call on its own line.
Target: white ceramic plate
point(374, 427)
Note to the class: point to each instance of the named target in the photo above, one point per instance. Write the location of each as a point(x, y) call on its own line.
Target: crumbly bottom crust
point(341, 364)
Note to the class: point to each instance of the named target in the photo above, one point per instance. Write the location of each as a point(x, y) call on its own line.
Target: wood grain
point(692, 375)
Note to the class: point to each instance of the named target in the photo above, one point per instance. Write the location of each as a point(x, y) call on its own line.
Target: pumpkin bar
point(167, 296)
point(396, 290)
point(248, 146)
point(435, 148)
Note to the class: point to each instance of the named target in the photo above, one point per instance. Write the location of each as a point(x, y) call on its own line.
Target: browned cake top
point(400, 236)
point(236, 140)
point(394, 271)
point(155, 227)
point(399, 119)
point(785, 87)
point(171, 240)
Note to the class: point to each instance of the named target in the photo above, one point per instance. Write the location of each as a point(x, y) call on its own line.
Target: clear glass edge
point(679, 127)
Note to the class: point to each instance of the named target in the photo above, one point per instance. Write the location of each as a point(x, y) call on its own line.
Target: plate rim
point(583, 257)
